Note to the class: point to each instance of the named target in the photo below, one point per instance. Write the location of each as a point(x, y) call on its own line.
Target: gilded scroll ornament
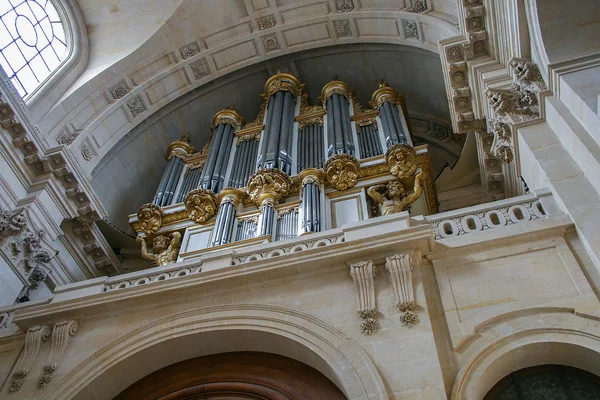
point(342, 171)
point(150, 218)
point(201, 205)
point(393, 197)
point(402, 160)
point(165, 249)
point(268, 183)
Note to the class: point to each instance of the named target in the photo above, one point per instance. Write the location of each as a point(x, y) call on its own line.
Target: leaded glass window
point(547, 382)
point(32, 42)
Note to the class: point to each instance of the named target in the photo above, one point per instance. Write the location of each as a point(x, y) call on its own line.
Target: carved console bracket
point(33, 343)
point(61, 336)
point(400, 269)
point(363, 275)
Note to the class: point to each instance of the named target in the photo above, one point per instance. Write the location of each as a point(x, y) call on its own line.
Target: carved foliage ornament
point(402, 160)
point(150, 217)
point(201, 205)
point(342, 171)
point(268, 184)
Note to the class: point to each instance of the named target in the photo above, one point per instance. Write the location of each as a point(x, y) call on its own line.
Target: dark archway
point(555, 382)
point(234, 376)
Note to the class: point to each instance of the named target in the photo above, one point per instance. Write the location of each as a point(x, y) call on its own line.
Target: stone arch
point(222, 329)
point(537, 336)
point(551, 40)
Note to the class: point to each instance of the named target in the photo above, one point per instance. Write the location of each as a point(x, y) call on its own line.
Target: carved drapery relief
point(342, 171)
point(201, 205)
point(363, 275)
point(400, 269)
point(270, 184)
point(402, 160)
point(165, 249)
point(61, 336)
point(33, 343)
point(150, 218)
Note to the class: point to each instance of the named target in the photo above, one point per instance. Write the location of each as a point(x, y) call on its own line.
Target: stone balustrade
point(486, 216)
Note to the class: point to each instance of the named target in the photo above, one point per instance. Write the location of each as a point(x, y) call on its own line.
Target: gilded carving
point(165, 249)
point(283, 82)
point(181, 147)
point(150, 218)
point(402, 160)
point(268, 184)
point(384, 94)
point(342, 171)
point(393, 197)
point(201, 205)
point(228, 116)
point(335, 87)
point(428, 183)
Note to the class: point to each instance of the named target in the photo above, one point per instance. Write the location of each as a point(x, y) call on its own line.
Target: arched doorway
point(547, 382)
point(234, 376)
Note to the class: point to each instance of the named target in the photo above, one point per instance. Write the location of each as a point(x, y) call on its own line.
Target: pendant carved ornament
point(150, 218)
point(268, 183)
point(402, 160)
point(201, 205)
point(341, 171)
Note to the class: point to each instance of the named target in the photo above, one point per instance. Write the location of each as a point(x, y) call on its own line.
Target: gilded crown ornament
point(402, 160)
point(228, 116)
point(335, 87)
point(268, 183)
point(150, 218)
point(384, 94)
point(342, 171)
point(283, 82)
point(201, 205)
point(181, 147)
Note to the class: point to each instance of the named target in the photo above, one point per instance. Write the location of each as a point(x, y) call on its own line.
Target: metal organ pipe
point(163, 182)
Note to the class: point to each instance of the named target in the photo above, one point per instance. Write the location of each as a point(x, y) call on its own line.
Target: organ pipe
point(213, 174)
point(336, 96)
point(392, 112)
point(175, 154)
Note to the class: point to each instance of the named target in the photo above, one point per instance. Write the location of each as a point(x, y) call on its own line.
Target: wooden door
point(235, 376)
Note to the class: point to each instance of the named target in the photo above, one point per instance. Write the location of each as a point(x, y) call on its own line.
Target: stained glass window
point(32, 42)
point(547, 382)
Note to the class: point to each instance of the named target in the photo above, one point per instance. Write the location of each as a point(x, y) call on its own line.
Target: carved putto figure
point(11, 222)
point(402, 160)
point(150, 217)
point(342, 171)
point(165, 249)
point(201, 205)
point(392, 197)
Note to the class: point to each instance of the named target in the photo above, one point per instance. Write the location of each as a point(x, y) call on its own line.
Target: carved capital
point(61, 337)
point(342, 171)
point(268, 183)
point(363, 274)
point(402, 160)
point(201, 205)
point(150, 218)
point(400, 269)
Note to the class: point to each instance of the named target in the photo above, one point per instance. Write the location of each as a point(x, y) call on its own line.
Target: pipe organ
point(295, 170)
